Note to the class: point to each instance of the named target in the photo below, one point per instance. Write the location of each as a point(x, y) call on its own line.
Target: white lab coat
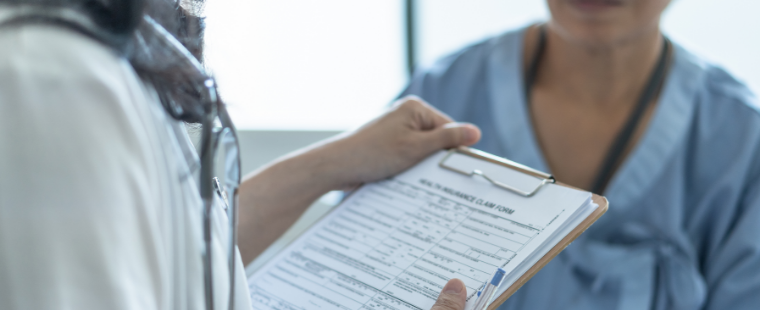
point(99, 208)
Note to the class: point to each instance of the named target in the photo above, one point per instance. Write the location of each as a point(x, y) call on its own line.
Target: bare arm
point(273, 197)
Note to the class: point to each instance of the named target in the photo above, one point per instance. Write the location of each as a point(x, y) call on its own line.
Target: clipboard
point(545, 179)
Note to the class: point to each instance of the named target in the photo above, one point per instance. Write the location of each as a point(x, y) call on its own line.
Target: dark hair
point(116, 23)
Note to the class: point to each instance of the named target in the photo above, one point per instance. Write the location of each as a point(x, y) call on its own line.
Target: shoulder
point(78, 170)
point(71, 105)
point(57, 74)
point(462, 60)
point(46, 50)
point(725, 130)
point(451, 77)
point(472, 59)
point(715, 89)
point(53, 72)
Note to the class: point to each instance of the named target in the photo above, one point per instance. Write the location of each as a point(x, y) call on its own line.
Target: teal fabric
point(683, 229)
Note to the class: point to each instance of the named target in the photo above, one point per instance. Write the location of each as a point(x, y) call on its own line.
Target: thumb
point(453, 296)
point(454, 134)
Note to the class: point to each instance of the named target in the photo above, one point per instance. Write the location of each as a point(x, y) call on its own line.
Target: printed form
point(393, 245)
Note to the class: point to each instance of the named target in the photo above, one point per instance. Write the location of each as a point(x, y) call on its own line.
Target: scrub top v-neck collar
point(665, 132)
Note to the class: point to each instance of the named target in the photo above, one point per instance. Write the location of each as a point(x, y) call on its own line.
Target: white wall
point(305, 64)
point(724, 31)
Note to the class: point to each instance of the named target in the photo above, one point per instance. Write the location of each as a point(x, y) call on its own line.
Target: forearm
point(274, 197)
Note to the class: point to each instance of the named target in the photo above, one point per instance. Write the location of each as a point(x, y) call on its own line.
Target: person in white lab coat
point(99, 208)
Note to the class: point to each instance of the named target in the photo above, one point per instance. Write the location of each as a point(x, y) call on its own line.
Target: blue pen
point(486, 294)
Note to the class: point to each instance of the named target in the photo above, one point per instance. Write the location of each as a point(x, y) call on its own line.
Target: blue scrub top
point(683, 229)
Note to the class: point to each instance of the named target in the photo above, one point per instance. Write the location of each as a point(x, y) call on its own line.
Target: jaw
point(600, 24)
point(604, 36)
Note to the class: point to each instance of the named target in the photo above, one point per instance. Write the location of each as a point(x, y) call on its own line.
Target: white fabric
point(99, 208)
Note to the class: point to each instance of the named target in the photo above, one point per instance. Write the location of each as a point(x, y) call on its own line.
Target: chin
point(605, 22)
point(593, 35)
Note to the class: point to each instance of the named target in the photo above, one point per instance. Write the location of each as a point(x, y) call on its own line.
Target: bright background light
point(335, 64)
point(306, 64)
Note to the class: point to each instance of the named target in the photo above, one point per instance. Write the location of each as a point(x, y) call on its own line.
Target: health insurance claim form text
point(394, 244)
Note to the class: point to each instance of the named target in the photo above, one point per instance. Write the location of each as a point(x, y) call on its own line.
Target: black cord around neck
point(648, 94)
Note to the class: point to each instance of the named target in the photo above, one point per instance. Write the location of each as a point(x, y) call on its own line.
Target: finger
point(453, 296)
point(424, 115)
point(452, 135)
point(438, 118)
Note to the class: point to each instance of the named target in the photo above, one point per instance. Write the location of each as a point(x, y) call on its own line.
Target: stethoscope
point(218, 142)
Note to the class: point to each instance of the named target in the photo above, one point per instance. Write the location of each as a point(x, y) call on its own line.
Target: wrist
point(328, 165)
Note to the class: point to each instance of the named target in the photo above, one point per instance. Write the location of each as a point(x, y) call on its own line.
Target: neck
point(604, 75)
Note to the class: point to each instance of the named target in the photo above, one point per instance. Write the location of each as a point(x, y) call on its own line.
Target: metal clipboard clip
point(544, 178)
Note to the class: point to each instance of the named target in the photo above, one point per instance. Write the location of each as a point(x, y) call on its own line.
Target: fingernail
point(472, 133)
point(469, 132)
point(454, 286)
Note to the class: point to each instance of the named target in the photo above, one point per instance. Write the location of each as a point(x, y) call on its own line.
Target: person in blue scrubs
point(677, 153)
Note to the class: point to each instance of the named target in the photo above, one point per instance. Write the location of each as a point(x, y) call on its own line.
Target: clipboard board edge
point(564, 243)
